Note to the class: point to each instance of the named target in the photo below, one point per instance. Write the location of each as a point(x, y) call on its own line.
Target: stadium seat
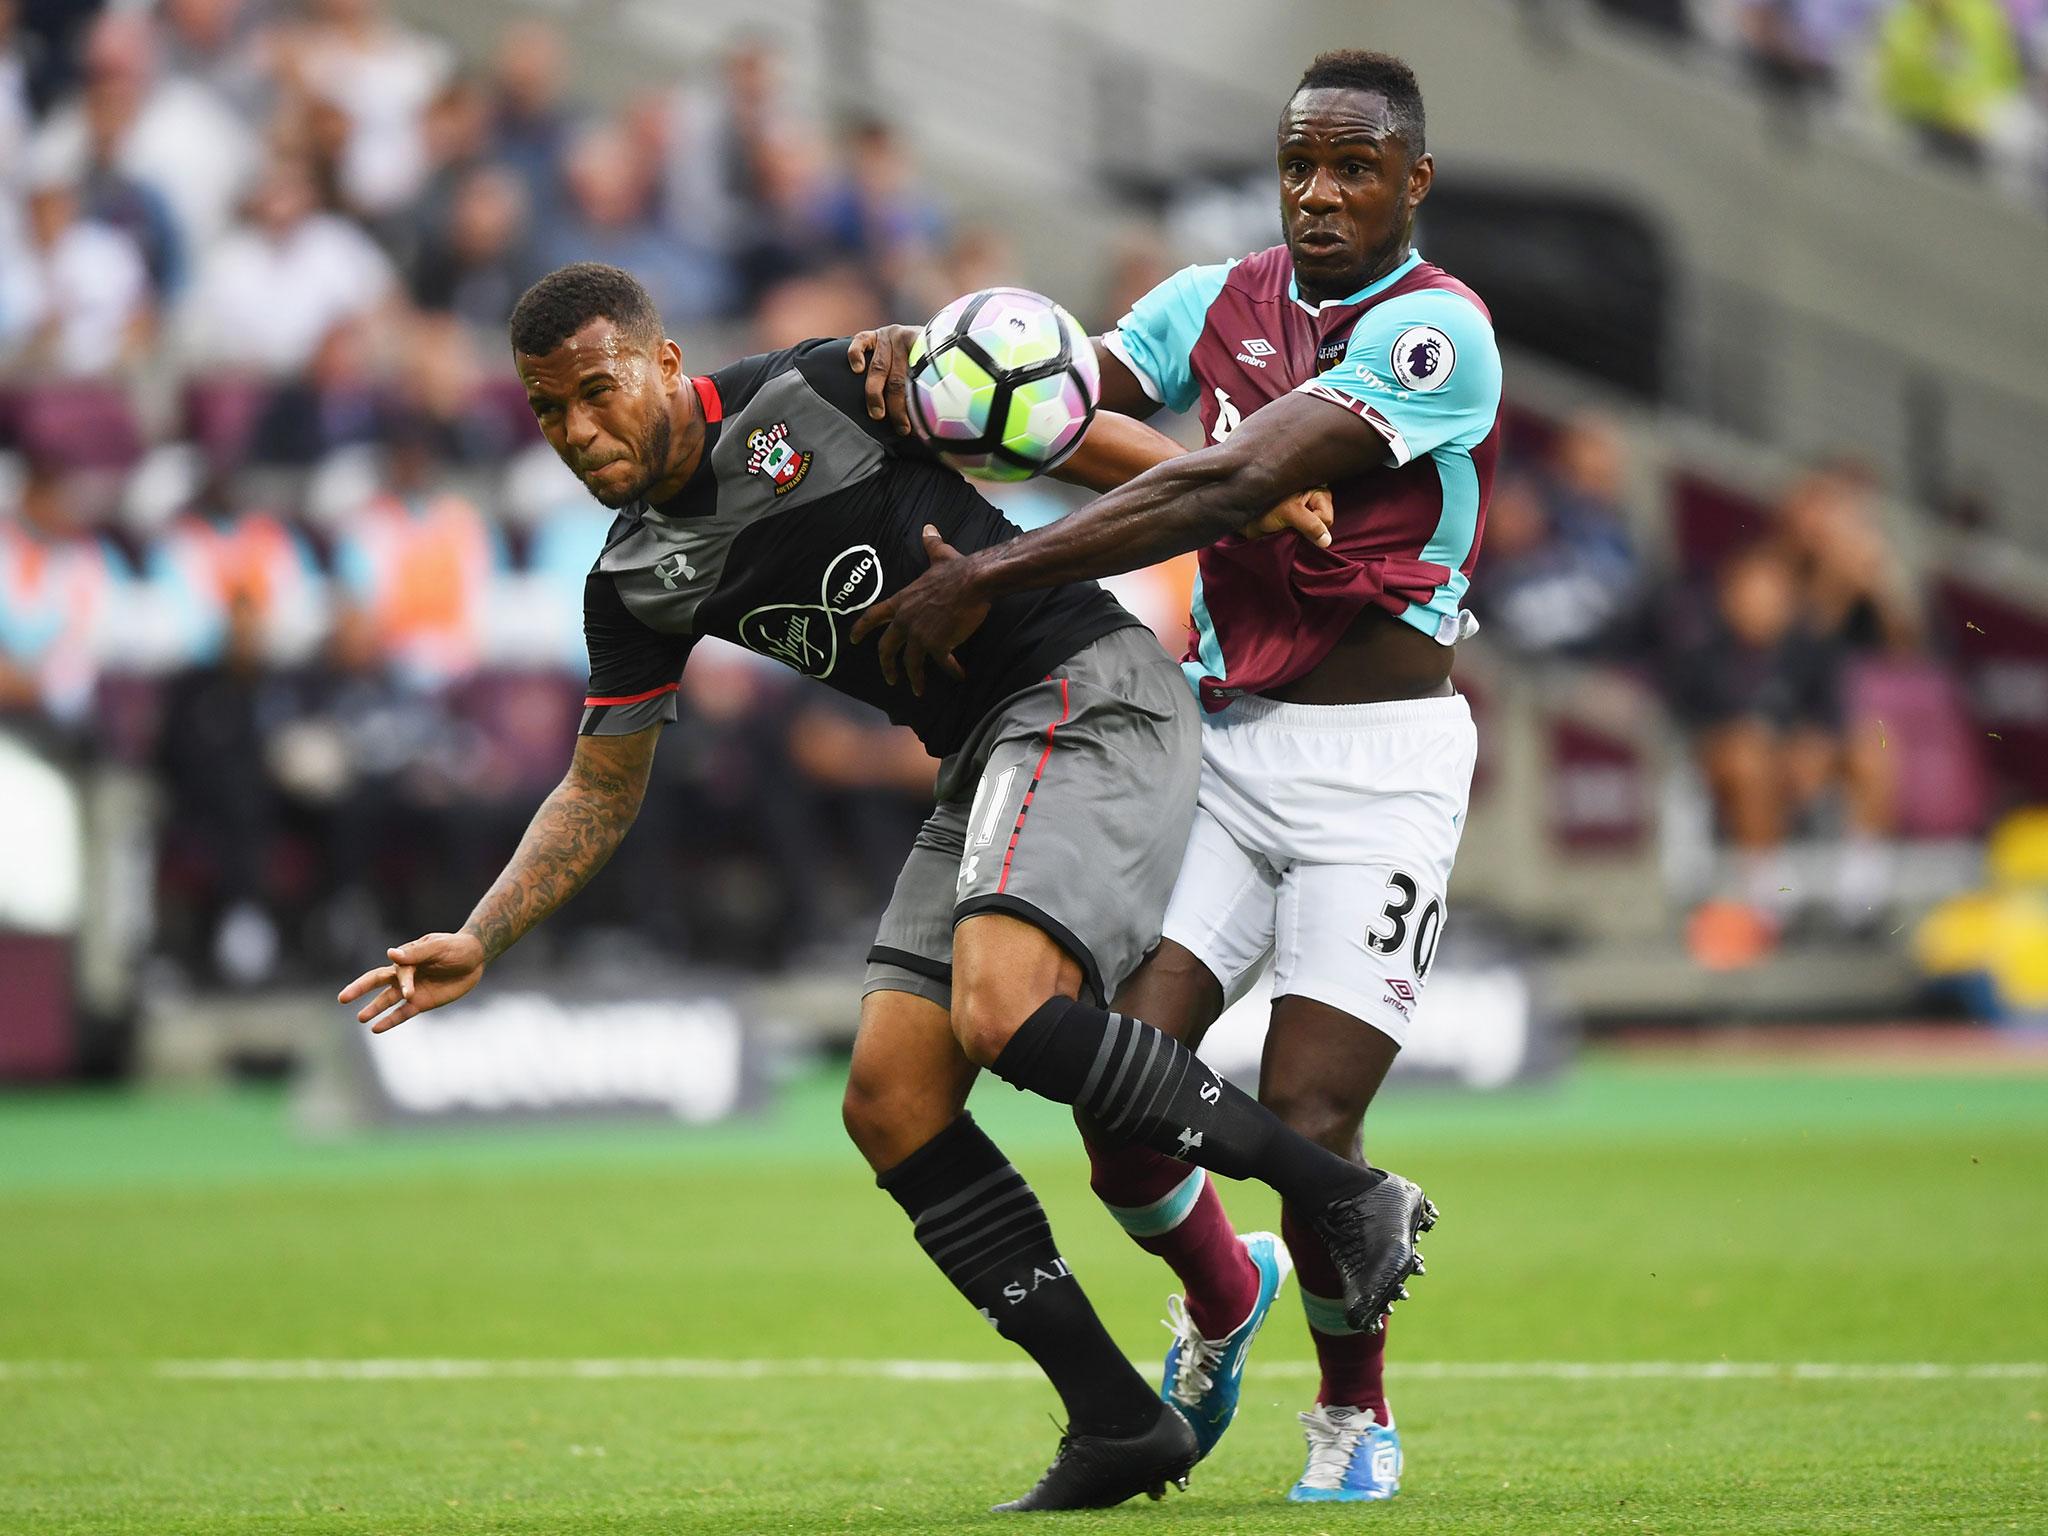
point(1710, 521)
point(2001, 649)
point(81, 424)
point(1936, 761)
point(221, 413)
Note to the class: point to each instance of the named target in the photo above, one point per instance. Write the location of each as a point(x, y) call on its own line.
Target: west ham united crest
point(770, 453)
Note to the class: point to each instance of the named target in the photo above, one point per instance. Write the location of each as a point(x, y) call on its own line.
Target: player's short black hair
point(569, 298)
point(1356, 69)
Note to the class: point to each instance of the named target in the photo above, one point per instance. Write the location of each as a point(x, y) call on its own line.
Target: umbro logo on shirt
point(1256, 351)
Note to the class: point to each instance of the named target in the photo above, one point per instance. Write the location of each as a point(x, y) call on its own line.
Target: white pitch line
point(1013, 1370)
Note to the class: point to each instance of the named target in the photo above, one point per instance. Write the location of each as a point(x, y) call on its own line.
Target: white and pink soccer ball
point(1003, 382)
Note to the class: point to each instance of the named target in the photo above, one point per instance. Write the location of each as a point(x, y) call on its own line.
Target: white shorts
point(1323, 839)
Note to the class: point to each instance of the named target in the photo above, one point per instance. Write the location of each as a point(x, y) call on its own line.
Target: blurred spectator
point(480, 260)
point(211, 557)
point(610, 218)
point(457, 135)
point(14, 106)
point(111, 196)
point(830, 303)
point(1668, 16)
point(268, 293)
point(226, 46)
point(441, 400)
point(1800, 44)
point(77, 301)
point(373, 767)
point(57, 586)
point(1852, 586)
point(381, 75)
point(419, 561)
point(223, 809)
point(1561, 570)
point(1138, 263)
point(169, 133)
point(873, 785)
point(1949, 69)
point(338, 402)
point(781, 235)
point(529, 118)
point(1762, 692)
point(879, 213)
point(723, 143)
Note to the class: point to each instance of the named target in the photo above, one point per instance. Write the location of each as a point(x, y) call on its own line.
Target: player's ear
point(668, 357)
point(1421, 177)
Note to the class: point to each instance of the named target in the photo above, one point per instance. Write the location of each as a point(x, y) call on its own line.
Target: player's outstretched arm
point(572, 834)
point(1115, 450)
point(1292, 445)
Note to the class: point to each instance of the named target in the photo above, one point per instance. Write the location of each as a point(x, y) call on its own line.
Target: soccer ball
point(1003, 382)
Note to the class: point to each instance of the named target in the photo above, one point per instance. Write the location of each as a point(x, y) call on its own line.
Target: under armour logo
point(1189, 1140)
point(675, 568)
point(1211, 1091)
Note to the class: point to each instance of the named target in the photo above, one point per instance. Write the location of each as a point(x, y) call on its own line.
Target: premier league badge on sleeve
point(1423, 358)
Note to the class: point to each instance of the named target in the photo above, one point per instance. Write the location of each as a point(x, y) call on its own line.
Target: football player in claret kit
point(1337, 758)
point(761, 505)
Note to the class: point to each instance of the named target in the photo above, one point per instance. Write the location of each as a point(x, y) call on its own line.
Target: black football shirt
point(802, 512)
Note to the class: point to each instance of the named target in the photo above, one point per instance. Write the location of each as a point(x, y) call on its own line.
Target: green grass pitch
point(1630, 1213)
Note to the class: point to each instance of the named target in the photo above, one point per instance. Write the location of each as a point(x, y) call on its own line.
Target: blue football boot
point(1352, 1458)
point(1204, 1376)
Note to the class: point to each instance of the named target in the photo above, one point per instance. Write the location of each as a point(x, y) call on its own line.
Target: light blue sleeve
point(1155, 339)
point(1423, 369)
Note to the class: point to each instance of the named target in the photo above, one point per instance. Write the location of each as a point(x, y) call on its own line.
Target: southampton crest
point(770, 453)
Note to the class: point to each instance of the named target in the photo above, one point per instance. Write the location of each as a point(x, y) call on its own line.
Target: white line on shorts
point(413, 1369)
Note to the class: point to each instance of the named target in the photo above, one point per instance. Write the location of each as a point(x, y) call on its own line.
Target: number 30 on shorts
point(1427, 926)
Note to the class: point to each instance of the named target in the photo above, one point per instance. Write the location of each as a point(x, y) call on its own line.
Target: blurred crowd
point(1780, 638)
point(275, 524)
point(276, 529)
point(1967, 79)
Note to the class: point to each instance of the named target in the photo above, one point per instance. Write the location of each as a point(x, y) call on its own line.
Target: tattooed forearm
point(572, 834)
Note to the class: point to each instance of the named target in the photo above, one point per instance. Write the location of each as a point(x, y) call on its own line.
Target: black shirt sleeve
point(634, 670)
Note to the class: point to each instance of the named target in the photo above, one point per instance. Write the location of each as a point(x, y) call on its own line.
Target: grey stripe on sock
point(1127, 1042)
point(1109, 1038)
point(954, 1202)
point(1164, 1089)
point(1139, 1079)
point(996, 1216)
point(957, 1221)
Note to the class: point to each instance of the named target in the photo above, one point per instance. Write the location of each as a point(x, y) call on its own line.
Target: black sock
point(1144, 1086)
point(980, 1223)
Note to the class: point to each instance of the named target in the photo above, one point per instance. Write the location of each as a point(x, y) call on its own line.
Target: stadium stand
point(275, 547)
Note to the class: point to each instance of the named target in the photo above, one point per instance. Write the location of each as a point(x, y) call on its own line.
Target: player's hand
point(928, 619)
point(1310, 513)
point(426, 973)
point(884, 356)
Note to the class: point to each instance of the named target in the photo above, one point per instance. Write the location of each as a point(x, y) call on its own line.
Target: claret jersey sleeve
point(634, 670)
point(1423, 369)
point(1156, 340)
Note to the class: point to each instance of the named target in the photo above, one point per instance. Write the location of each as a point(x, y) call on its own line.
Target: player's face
point(604, 403)
point(1347, 189)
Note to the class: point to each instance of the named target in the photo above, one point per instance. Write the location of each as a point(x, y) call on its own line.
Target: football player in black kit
point(761, 504)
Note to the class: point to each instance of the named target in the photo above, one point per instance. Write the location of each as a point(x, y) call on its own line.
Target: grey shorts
point(1068, 807)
